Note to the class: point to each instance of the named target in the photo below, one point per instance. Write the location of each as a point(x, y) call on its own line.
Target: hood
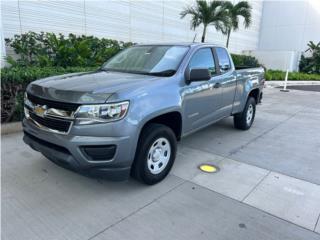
point(91, 87)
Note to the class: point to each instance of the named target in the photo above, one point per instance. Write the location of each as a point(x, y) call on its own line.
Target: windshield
point(151, 60)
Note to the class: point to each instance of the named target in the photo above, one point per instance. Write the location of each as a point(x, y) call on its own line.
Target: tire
point(245, 119)
point(155, 154)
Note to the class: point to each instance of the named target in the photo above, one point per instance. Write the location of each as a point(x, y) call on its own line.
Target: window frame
point(213, 58)
point(214, 49)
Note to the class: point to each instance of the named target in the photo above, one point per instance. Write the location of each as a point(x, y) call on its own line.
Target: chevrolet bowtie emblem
point(40, 110)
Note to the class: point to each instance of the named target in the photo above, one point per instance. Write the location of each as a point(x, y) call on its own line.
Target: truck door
point(201, 99)
point(228, 81)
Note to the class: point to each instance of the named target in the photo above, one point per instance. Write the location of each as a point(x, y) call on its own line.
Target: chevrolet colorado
point(126, 117)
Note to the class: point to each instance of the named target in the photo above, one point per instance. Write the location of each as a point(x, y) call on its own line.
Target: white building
point(279, 32)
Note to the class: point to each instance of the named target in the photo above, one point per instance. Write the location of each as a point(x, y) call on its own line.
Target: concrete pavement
point(267, 186)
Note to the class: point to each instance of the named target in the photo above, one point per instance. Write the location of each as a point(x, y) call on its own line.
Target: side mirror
point(199, 74)
point(225, 67)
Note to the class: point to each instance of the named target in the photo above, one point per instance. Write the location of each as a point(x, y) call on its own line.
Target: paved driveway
point(267, 186)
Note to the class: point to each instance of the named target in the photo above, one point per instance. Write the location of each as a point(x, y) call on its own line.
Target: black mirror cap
point(225, 67)
point(199, 74)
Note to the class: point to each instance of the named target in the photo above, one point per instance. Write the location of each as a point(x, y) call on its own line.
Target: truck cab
point(126, 117)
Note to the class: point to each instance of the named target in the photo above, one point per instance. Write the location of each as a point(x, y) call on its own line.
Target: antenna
point(194, 38)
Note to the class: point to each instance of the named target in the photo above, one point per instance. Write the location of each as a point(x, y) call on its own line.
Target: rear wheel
point(245, 119)
point(156, 152)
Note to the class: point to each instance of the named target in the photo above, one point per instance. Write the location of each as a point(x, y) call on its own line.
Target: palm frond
point(213, 13)
point(195, 16)
point(241, 9)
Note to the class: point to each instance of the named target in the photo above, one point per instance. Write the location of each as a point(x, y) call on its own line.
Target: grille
point(52, 123)
point(53, 104)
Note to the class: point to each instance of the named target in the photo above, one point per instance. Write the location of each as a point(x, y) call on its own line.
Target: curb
point(290, 83)
point(8, 128)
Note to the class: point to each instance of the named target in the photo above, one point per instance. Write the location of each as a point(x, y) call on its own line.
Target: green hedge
point(244, 60)
point(50, 49)
point(280, 75)
point(25, 75)
point(14, 81)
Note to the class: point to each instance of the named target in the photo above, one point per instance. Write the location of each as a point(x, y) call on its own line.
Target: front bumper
point(67, 150)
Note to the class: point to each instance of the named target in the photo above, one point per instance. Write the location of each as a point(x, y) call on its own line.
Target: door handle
point(217, 85)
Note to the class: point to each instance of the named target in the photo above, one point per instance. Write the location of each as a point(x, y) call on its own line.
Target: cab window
point(203, 58)
point(223, 60)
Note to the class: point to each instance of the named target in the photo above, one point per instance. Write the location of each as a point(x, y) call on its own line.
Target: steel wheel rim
point(159, 155)
point(249, 114)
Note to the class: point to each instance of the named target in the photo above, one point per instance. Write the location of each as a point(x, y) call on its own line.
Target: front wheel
point(156, 152)
point(245, 119)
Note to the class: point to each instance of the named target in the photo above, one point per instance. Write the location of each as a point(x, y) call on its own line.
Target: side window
point(203, 58)
point(223, 59)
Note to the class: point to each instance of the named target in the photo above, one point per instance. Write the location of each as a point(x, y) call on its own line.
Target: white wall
point(277, 60)
point(130, 20)
point(289, 25)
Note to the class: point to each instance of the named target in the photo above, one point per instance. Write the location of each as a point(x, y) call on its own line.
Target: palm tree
point(241, 9)
point(207, 13)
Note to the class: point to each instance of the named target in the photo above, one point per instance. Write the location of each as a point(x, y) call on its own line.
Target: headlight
point(26, 103)
point(88, 114)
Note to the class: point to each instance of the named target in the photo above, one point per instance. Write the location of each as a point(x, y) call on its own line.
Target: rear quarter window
point(223, 60)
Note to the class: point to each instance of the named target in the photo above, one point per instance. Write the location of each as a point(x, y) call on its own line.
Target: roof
point(178, 44)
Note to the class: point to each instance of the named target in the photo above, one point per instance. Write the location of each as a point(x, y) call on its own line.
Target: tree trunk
point(228, 37)
point(204, 33)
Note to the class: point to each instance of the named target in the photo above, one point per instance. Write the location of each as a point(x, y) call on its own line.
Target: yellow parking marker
point(208, 168)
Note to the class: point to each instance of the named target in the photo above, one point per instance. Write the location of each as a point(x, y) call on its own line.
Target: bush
point(14, 80)
point(244, 61)
point(280, 75)
point(48, 49)
point(311, 64)
point(42, 55)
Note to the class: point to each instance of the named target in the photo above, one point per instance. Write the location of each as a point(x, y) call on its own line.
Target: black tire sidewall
point(251, 101)
point(148, 137)
point(240, 119)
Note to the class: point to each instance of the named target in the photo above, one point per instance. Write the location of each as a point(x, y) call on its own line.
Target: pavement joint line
point(206, 151)
point(254, 165)
point(254, 188)
point(243, 203)
point(318, 222)
point(137, 210)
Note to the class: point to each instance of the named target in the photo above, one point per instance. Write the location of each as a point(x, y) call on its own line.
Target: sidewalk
point(268, 186)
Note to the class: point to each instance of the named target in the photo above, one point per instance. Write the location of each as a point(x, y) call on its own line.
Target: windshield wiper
point(165, 73)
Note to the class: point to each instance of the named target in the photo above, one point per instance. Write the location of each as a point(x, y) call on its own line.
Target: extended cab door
point(228, 81)
point(202, 98)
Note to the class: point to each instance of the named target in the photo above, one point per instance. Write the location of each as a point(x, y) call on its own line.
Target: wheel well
point(172, 120)
point(255, 94)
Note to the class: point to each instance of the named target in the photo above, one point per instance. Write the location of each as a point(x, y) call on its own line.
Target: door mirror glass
point(225, 67)
point(199, 74)
point(223, 59)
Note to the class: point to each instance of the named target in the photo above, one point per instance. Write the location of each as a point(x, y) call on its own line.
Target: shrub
point(244, 61)
point(311, 64)
point(42, 55)
point(280, 75)
point(14, 81)
point(48, 49)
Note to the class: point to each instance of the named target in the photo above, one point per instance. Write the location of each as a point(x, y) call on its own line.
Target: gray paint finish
point(199, 104)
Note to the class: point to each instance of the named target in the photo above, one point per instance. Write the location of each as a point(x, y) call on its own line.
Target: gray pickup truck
point(126, 118)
